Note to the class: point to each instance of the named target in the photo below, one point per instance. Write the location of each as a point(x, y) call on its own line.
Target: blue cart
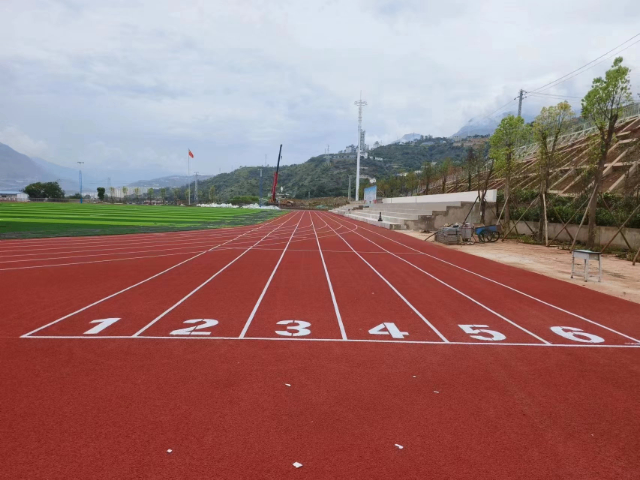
point(488, 233)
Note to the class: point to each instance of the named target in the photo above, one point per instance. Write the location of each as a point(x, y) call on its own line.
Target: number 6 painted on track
point(577, 335)
point(298, 326)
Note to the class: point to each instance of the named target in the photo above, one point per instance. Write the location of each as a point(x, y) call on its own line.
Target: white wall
point(444, 198)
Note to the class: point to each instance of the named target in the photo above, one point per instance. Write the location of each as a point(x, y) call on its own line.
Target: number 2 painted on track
point(206, 323)
point(102, 324)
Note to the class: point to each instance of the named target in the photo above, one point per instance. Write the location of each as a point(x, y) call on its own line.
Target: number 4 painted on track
point(102, 324)
point(388, 328)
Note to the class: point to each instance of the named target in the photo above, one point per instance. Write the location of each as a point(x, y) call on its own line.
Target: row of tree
point(174, 195)
point(601, 106)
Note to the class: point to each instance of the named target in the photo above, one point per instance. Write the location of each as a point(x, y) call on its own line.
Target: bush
point(44, 190)
point(244, 200)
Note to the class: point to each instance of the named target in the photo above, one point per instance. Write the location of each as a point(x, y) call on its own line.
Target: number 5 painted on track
point(102, 324)
point(475, 329)
point(298, 326)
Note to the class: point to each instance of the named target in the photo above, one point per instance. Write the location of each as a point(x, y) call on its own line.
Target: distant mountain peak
point(409, 137)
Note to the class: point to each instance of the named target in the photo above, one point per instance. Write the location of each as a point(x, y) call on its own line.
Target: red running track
point(313, 339)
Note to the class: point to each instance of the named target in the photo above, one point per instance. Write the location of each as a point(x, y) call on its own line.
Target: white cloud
point(21, 142)
point(136, 83)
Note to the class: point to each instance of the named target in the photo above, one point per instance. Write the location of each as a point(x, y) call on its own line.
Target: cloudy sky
point(128, 85)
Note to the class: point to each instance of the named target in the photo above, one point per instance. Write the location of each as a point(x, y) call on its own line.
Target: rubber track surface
point(202, 363)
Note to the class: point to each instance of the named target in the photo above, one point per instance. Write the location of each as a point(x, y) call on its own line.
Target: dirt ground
point(619, 277)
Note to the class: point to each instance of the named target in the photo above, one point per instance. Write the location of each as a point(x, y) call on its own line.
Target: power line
point(501, 108)
point(553, 83)
point(536, 94)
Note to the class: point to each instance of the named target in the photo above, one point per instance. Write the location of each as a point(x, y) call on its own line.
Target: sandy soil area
point(619, 277)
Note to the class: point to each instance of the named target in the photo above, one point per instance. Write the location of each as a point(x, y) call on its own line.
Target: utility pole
point(195, 195)
point(189, 176)
point(359, 103)
point(80, 163)
point(275, 177)
point(520, 102)
point(260, 192)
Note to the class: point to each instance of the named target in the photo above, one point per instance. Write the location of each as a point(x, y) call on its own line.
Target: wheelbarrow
point(488, 233)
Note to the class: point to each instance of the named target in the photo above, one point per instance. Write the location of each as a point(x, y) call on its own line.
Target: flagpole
point(189, 174)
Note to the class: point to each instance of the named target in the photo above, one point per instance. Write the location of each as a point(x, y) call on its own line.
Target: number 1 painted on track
point(102, 324)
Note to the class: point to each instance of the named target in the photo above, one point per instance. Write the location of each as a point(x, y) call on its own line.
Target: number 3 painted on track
point(298, 326)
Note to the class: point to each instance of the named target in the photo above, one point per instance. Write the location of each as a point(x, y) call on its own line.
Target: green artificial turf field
point(29, 220)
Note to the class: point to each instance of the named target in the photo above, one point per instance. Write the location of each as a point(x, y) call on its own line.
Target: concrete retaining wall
point(603, 234)
point(443, 198)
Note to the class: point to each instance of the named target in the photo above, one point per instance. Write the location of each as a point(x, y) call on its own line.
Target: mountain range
point(485, 125)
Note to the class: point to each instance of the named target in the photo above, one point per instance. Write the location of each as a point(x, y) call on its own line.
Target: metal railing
point(582, 128)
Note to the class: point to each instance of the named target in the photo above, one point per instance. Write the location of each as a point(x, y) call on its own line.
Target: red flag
point(190, 154)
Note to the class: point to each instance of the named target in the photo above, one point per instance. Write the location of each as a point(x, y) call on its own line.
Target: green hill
point(322, 177)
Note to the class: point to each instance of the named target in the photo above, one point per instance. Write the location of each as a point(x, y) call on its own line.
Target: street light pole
point(80, 163)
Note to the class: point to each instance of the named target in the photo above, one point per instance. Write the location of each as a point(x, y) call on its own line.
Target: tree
point(471, 165)
point(212, 193)
point(163, 192)
point(150, 194)
point(112, 193)
point(176, 195)
point(136, 191)
point(44, 190)
point(488, 166)
point(412, 182)
point(510, 134)
point(602, 105)
point(445, 169)
point(428, 172)
point(547, 129)
point(101, 193)
point(124, 192)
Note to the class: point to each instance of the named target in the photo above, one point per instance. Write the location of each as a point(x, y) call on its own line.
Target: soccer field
point(28, 220)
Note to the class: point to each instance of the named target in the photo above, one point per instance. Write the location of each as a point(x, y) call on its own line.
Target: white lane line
point(182, 300)
point(108, 260)
point(456, 290)
point(125, 289)
point(264, 291)
point(83, 252)
point(353, 340)
point(333, 296)
point(415, 310)
point(2, 262)
point(127, 241)
point(506, 286)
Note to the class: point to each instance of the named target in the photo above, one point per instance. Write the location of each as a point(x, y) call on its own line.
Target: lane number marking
point(195, 330)
point(577, 335)
point(298, 326)
point(388, 328)
point(474, 330)
point(102, 324)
